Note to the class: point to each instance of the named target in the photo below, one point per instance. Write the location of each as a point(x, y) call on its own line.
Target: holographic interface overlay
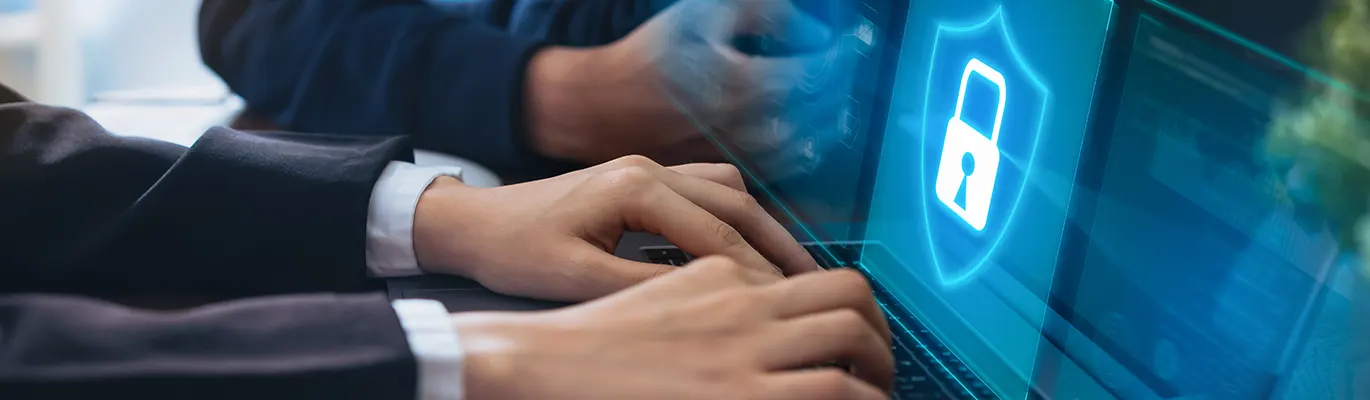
point(974, 218)
point(803, 140)
point(1200, 278)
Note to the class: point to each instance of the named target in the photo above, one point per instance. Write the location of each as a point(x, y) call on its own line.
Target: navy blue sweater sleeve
point(451, 77)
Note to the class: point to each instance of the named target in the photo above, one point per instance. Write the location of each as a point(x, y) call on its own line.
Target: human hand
point(713, 329)
point(554, 238)
point(680, 80)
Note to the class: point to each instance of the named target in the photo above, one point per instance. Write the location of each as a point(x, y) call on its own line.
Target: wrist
point(559, 101)
point(432, 217)
point(489, 342)
point(576, 98)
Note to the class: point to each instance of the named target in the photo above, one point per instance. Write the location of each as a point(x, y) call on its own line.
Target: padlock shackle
point(979, 67)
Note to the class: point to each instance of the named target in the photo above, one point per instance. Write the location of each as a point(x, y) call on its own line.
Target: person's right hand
point(554, 239)
point(680, 80)
point(711, 330)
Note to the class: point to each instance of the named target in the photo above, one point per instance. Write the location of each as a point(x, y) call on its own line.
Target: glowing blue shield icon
point(975, 174)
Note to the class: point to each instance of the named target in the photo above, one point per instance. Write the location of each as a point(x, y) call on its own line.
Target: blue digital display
point(1199, 276)
point(972, 214)
point(1194, 280)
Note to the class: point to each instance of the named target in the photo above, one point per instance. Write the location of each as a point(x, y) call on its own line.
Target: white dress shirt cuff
point(390, 218)
point(433, 340)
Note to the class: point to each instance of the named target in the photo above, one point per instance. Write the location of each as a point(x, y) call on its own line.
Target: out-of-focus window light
point(71, 52)
point(13, 6)
point(18, 35)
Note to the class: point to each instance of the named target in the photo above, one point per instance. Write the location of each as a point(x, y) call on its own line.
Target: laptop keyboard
point(925, 369)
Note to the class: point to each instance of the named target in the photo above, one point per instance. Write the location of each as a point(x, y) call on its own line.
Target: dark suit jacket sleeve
point(85, 212)
point(301, 347)
point(453, 79)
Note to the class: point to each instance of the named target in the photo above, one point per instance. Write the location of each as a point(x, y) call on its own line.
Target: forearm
point(563, 104)
point(368, 67)
point(588, 106)
point(236, 215)
point(321, 346)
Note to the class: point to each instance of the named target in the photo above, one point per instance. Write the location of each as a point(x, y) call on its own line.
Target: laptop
point(1115, 260)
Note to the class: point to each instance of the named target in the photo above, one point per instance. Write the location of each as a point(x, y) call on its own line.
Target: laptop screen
point(988, 115)
point(1199, 274)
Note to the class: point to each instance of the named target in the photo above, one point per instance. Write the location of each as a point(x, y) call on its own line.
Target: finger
point(822, 72)
point(742, 212)
point(771, 135)
point(827, 291)
point(841, 335)
point(780, 20)
point(713, 268)
point(713, 271)
point(758, 135)
point(667, 282)
point(722, 173)
point(817, 384)
point(662, 211)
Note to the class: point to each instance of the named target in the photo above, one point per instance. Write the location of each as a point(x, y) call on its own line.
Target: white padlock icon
point(964, 141)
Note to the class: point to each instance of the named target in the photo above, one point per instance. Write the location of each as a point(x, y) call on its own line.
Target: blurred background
point(133, 65)
point(70, 52)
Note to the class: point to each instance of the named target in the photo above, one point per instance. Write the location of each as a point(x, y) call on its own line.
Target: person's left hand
point(554, 238)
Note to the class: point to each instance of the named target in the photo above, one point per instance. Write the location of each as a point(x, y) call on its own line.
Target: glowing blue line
point(998, 15)
point(1070, 195)
point(1262, 50)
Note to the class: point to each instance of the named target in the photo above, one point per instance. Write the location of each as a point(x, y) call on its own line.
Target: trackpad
point(480, 299)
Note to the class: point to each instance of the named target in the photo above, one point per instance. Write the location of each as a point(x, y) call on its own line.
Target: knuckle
point(850, 279)
point(746, 202)
point(832, 384)
point(730, 173)
point(729, 236)
point(851, 324)
point(634, 160)
point(630, 180)
point(716, 265)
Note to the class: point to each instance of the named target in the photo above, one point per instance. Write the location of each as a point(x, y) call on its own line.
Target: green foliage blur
point(1322, 137)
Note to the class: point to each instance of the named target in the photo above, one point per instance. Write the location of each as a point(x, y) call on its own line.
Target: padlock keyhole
point(967, 167)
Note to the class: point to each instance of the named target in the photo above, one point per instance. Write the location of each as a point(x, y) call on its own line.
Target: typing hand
point(554, 238)
point(759, 75)
point(711, 330)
